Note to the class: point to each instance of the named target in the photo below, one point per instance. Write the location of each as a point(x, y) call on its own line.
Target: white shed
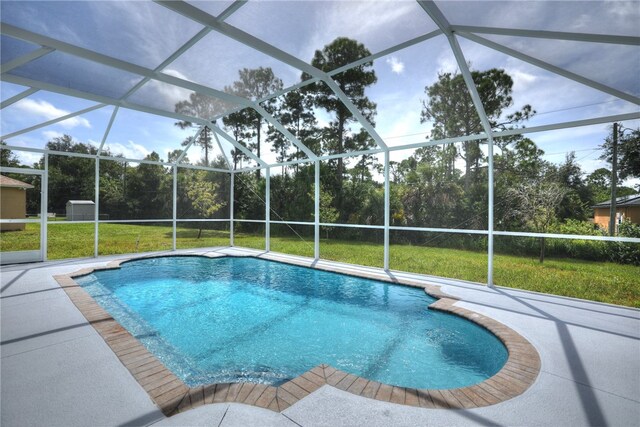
point(81, 210)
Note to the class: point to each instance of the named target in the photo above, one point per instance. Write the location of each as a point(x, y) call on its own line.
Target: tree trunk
point(468, 161)
point(542, 246)
point(340, 169)
point(199, 233)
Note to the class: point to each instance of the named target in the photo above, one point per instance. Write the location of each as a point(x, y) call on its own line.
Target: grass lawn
point(597, 281)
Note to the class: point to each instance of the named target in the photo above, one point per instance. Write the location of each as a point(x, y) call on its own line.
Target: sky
point(129, 31)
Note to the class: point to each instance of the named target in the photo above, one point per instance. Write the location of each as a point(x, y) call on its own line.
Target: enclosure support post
point(386, 210)
point(231, 197)
point(490, 216)
point(44, 187)
point(316, 215)
point(96, 213)
point(175, 203)
point(267, 213)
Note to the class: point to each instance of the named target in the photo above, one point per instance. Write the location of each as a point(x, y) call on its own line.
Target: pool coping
point(172, 396)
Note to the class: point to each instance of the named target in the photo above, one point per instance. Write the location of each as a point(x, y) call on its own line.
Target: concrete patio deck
point(57, 370)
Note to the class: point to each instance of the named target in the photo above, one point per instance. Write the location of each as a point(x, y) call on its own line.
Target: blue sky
point(130, 31)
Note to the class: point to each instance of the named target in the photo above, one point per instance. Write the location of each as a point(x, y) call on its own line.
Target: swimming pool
point(244, 319)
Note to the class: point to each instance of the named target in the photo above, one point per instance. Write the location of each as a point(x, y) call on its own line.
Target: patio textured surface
point(57, 370)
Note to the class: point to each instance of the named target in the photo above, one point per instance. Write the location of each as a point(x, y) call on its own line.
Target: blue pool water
point(245, 319)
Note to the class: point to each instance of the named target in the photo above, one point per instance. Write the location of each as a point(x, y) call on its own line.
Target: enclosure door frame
point(36, 255)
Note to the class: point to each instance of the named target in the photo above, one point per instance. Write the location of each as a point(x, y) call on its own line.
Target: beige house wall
point(601, 215)
point(13, 205)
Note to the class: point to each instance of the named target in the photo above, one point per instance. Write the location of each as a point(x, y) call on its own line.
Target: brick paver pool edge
point(173, 396)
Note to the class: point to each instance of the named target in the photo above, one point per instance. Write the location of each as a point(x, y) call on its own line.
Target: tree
point(149, 191)
point(69, 178)
point(172, 156)
point(599, 183)
point(7, 157)
point(204, 107)
point(535, 204)
point(328, 214)
point(353, 83)
point(255, 84)
point(237, 124)
point(295, 112)
point(628, 154)
point(578, 198)
point(450, 107)
point(203, 195)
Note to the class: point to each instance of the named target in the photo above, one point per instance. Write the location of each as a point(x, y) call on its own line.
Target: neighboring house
point(627, 208)
point(13, 202)
point(80, 210)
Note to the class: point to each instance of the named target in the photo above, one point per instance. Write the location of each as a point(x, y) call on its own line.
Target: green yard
point(598, 281)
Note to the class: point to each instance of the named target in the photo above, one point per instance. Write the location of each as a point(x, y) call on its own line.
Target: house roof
point(633, 200)
point(81, 202)
point(7, 182)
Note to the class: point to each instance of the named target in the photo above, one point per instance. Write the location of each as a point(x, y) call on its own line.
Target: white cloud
point(51, 134)
point(171, 94)
point(523, 80)
point(396, 65)
point(130, 150)
point(45, 110)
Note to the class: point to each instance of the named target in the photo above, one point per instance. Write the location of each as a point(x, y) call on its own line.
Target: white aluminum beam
point(44, 202)
point(434, 12)
point(96, 213)
point(554, 35)
point(354, 64)
point(224, 155)
point(275, 123)
point(568, 125)
point(231, 208)
point(53, 121)
point(150, 74)
point(108, 129)
point(267, 209)
point(386, 52)
point(198, 15)
point(169, 60)
point(316, 214)
point(97, 98)
point(109, 61)
point(490, 197)
point(24, 59)
point(231, 9)
point(387, 210)
point(428, 143)
point(239, 146)
point(552, 68)
point(366, 124)
point(204, 168)
point(174, 207)
point(192, 41)
point(440, 230)
point(568, 236)
point(304, 223)
point(111, 158)
point(192, 140)
point(203, 219)
point(18, 97)
point(132, 221)
point(476, 137)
